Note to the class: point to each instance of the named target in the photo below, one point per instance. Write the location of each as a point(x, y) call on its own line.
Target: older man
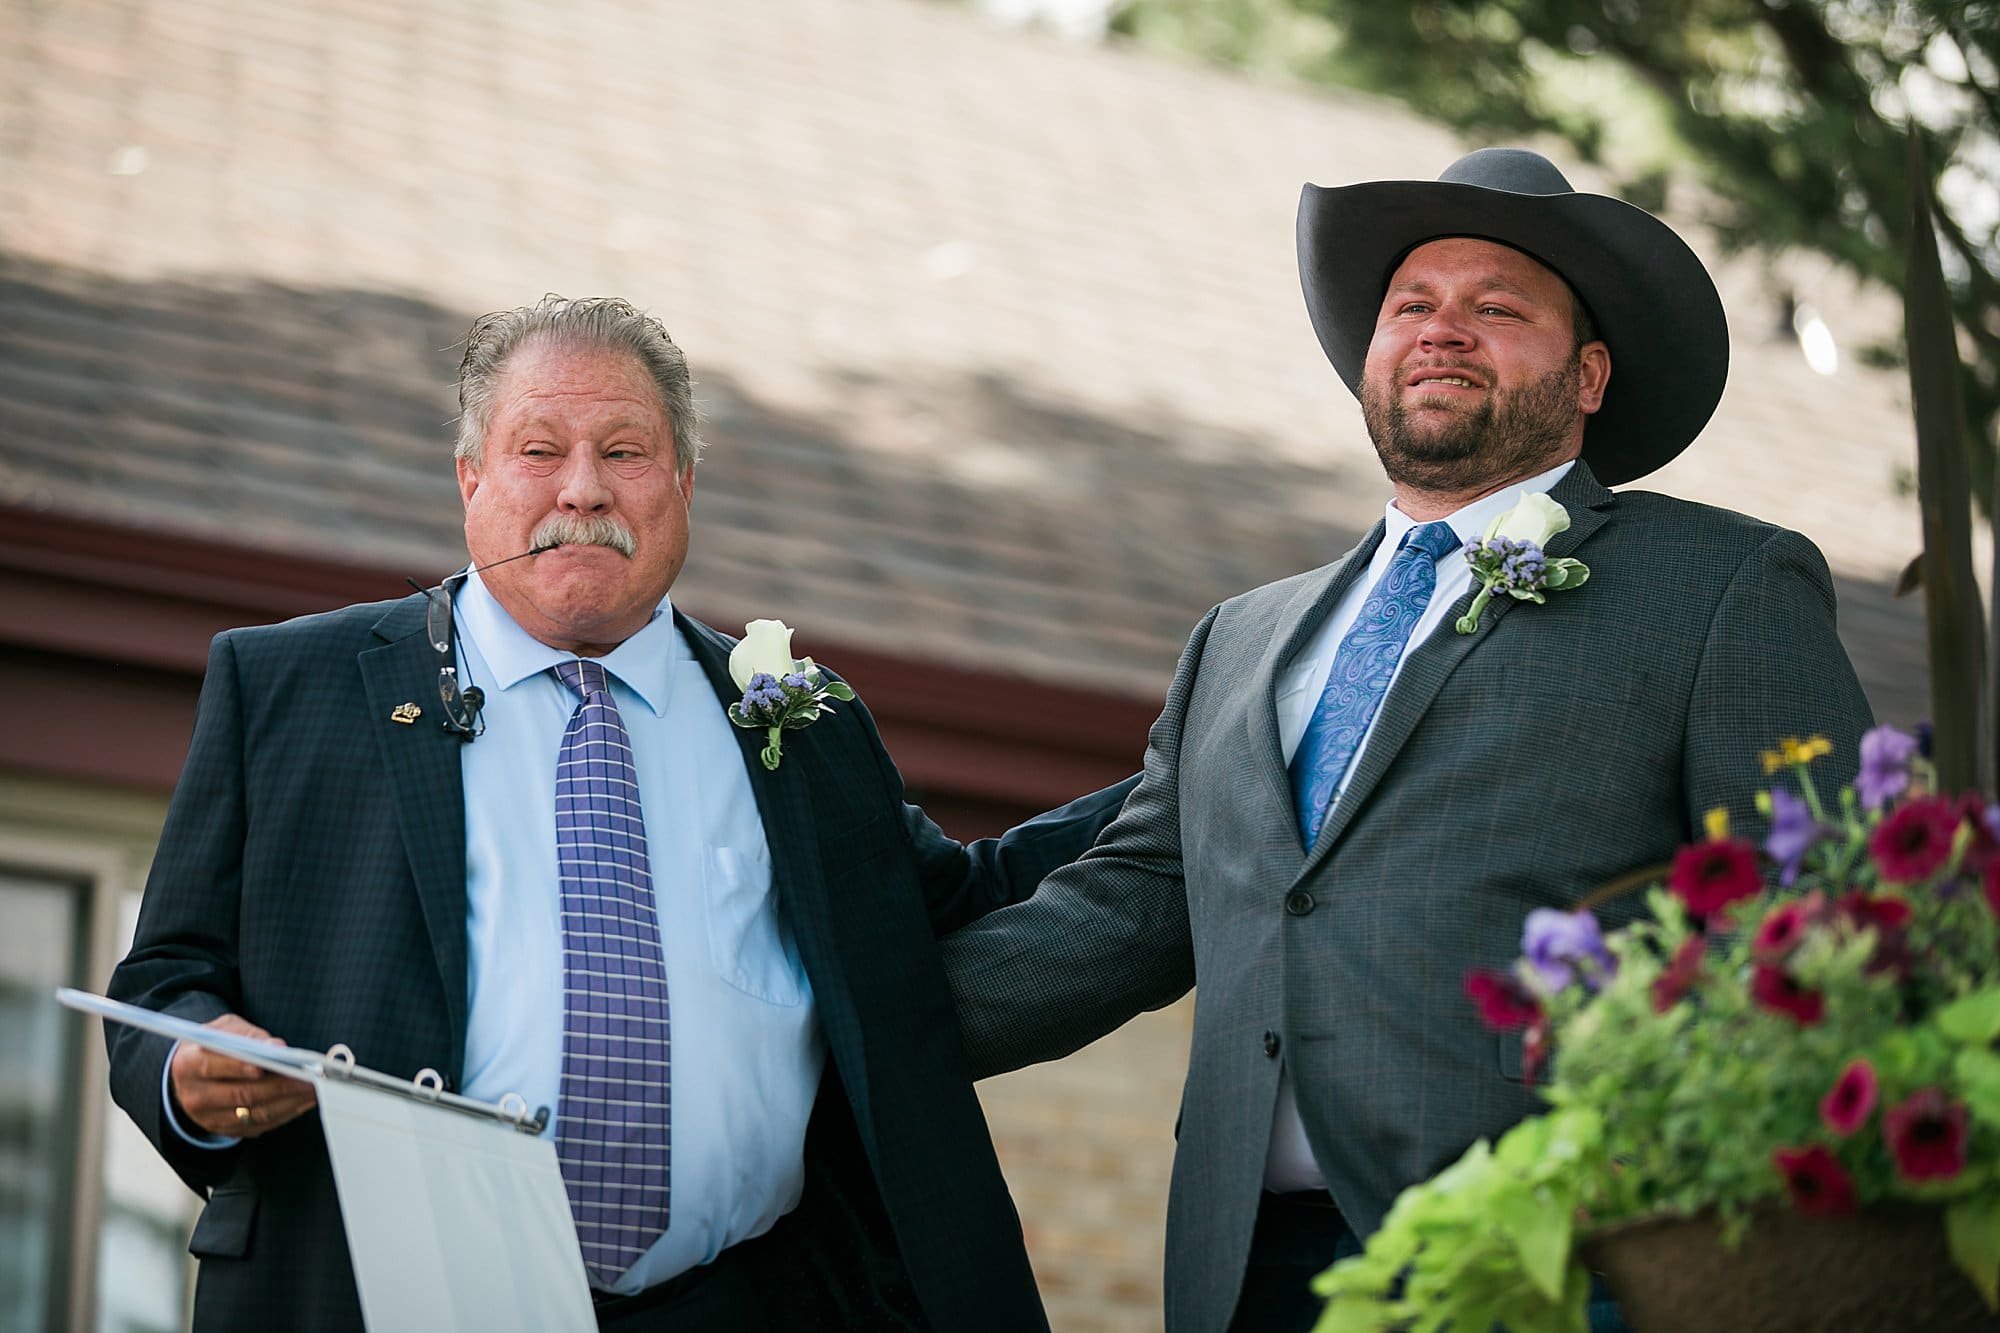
point(608, 904)
point(1366, 776)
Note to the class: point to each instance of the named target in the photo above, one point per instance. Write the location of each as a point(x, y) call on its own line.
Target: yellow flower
point(1716, 824)
point(1793, 752)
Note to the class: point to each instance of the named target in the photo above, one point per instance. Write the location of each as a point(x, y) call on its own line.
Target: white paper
point(456, 1224)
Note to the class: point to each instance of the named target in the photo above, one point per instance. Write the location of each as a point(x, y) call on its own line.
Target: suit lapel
point(1296, 625)
point(783, 802)
point(421, 764)
point(1431, 663)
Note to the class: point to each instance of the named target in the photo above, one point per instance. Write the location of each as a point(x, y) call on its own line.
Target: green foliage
point(1794, 113)
point(1972, 1229)
point(1486, 1240)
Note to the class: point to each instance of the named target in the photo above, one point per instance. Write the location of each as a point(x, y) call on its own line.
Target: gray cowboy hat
point(1654, 304)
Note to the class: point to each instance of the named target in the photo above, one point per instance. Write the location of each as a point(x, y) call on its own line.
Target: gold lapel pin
point(405, 713)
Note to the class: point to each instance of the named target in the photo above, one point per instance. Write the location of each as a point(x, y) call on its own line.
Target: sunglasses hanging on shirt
point(462, 703)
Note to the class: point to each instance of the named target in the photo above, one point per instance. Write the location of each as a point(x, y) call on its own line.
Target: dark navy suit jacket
point(311, 877)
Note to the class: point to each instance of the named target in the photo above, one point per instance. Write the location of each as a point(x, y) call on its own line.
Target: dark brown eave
point(104, 632)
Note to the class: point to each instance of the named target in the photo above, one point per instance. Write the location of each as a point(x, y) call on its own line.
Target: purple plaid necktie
point(1362, 668)
point(611, 1122)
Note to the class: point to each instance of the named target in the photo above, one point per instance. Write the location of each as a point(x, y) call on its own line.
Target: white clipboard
point(455, 1210)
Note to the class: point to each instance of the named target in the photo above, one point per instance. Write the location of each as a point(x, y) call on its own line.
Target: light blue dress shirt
point(1289, 1163)
point(747, 1049)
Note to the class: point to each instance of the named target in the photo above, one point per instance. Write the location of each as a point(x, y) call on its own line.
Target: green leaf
point(1974, 1020)
point(1539, 1230)
point(1566, 573)
point(802, 716)
point(838, 689)
point(1972, 1226)
point(1978, 1076)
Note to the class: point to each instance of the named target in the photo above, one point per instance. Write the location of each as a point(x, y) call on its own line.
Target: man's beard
point(1515, 433)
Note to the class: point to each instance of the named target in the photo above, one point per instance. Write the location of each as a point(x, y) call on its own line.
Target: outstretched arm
point(1102, 939)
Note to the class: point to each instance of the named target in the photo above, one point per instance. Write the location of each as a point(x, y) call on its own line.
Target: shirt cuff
point(199, 1138)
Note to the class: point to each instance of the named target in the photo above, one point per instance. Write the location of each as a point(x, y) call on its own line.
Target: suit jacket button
point(1298, 902)
point(1271, 1044)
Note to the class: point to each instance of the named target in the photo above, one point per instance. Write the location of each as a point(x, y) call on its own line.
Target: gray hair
point(599, 321)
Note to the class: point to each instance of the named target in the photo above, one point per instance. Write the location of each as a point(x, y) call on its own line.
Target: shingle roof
point(1000, 338)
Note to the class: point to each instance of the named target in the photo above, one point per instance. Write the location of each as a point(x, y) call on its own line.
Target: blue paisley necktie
point(1362, 668)
point(612, 1120)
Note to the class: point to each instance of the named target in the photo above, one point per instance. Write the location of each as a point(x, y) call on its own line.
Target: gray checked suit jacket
point(1521, 766)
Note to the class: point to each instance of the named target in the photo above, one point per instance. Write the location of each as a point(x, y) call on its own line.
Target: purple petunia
point(1793, 830)
point(1885, 765)
point(1560, 944)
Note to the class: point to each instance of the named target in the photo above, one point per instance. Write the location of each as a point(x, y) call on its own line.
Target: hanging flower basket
point(1774, 1098)
point(1885, 1268)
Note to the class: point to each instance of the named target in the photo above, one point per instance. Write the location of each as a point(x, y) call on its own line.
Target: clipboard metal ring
point(515, 1107)
point(340, 1059)
point(429, 1084)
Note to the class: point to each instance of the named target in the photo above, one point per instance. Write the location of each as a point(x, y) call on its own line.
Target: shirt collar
point(1469, 523)
point(644, 664)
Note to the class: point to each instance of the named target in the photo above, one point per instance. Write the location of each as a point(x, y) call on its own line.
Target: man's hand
point(228, 1097)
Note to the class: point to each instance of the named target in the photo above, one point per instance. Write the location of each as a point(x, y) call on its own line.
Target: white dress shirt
point(1289, 1164)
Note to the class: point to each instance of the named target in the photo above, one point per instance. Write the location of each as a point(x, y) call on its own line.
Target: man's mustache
point(578, 530)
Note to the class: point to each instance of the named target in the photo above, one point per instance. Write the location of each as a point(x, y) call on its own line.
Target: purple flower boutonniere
point(780, 693)
point(1509, 558)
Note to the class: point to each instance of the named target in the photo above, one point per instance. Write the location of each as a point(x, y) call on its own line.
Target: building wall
point(1087, 1144)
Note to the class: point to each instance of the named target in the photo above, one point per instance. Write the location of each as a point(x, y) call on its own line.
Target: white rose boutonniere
point(780, 693)
point(1509, 558)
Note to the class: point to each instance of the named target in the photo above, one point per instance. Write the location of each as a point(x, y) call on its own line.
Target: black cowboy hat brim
point(1654, 304)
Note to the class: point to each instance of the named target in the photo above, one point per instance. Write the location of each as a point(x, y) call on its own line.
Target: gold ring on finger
point(242, 1115)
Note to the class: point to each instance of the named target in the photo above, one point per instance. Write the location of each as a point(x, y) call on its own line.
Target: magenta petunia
point(1818, 1184)
point(1926, 1135)
point(1774, 988)
point(1535, 1048)
point(1780, 932)
point(1677, 978)
point(1708, 876)
point(1914, 842)
point(1851, 1099)
point(1884, 912)
point(1504, 1003)
point(1982, 846)
point(1887, 915)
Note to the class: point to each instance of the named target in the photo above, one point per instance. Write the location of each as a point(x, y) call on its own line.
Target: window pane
point(142, 1261)
point(38, 948)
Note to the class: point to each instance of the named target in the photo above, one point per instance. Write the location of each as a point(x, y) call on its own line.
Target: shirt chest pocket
point(749, 946)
